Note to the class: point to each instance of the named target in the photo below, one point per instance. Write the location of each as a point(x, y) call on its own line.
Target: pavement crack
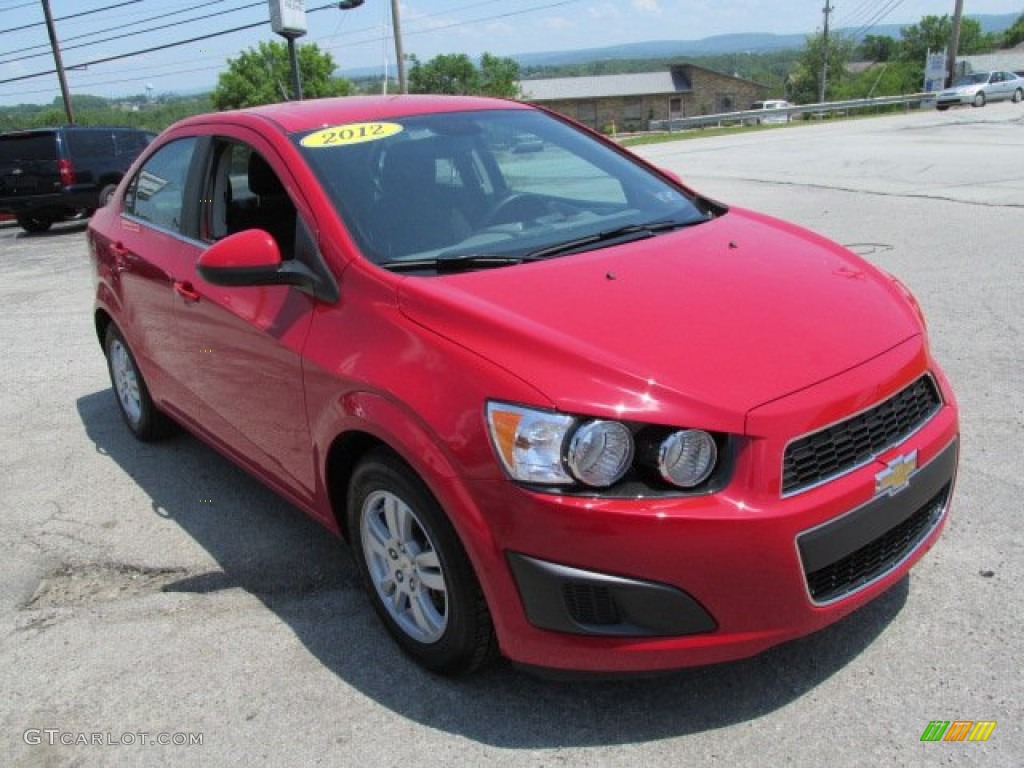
point(78, 584)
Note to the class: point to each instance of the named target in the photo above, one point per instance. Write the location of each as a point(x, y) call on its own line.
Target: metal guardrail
point(752, 116)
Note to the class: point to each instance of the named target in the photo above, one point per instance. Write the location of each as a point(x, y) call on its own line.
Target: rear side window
point(27, 148)
point(156, 193)
point(86, 144)
point(129, 142)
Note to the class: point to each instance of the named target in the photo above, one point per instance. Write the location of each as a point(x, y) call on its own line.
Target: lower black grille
point(837, 449)
point(590, 604)
point(875, 558)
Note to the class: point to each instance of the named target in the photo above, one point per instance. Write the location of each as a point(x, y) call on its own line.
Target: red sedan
point(563, 407)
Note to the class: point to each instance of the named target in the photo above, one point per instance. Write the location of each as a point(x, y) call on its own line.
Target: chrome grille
point(835, 450)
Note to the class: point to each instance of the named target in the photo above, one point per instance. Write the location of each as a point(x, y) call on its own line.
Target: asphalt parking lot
point(158, 590)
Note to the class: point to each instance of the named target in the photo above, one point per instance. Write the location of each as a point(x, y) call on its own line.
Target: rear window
point(90, 144)
point(25, 147)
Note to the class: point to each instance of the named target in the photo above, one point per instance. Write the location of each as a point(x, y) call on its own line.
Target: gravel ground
point(157, 589)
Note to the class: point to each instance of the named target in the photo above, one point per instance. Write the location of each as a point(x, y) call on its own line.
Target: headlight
point(539, 447)
point(530, 442)
point(600, 452)
point(686, 458)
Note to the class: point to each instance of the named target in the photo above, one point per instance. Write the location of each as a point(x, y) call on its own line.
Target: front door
point(245, 370)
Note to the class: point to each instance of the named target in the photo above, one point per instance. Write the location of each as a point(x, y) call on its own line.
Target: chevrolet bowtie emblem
point(896, 476)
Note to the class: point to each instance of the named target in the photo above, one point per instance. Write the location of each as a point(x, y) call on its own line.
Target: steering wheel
point(515, 206)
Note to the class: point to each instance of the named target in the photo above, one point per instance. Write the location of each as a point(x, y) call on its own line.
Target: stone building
point(630, 102)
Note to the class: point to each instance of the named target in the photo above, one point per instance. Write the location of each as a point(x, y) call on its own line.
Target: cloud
point(557, 23)
point(603, 11)
point(648, 6)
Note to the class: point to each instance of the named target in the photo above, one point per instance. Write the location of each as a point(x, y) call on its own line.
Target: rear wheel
point(415, 569)
point(107, 194)
point(942, 107)
point(979, 99)
point(133, 399)
point(34, 222)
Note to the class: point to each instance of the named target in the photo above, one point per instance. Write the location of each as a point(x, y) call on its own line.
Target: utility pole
point(396, 21)
point(824, 53)
point(293, 58)
point(65, 94)
point(954, 42)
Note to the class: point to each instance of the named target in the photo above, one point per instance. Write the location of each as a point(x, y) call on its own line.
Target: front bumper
point(953, 99)
point(631, 585)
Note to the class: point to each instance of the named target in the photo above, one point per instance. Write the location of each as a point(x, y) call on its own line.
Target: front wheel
point(1018, 96)
point(415, 569)
point(979, 99)
point(133, 400)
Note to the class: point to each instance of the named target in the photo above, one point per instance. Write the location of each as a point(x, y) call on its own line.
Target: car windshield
point(486, 188)
point(978, 77)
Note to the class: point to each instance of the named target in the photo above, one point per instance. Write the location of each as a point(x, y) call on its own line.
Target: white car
point(979, 88)
point(768, 107)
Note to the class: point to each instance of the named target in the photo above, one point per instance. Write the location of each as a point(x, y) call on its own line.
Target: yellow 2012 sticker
point(353, 133)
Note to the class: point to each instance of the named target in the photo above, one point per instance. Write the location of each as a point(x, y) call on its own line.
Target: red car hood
point(695, 327)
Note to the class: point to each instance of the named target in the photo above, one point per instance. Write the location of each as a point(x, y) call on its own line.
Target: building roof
point(1011, 60)
point(603, 86)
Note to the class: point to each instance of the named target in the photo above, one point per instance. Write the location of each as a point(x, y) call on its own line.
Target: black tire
point(942, 107)
point(143, 418)
point(107, 194)
point(979, 99)
point(456, 635)
point(1018, 96)
point(34, 222)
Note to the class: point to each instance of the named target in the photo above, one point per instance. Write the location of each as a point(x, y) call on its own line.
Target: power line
point(885, 11)
point(169, 25)
point(348, 42)
point(15, 7)
point(72, 16)
point(154, 48)
point(469, 21)
point(858, 14)
point(122, 26)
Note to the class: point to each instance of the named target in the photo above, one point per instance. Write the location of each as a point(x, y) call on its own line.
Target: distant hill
point(709, 46)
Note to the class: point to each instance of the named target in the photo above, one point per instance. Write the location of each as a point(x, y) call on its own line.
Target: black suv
point(50, 174)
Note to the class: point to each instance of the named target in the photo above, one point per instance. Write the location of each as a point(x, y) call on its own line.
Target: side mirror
point(252, 258)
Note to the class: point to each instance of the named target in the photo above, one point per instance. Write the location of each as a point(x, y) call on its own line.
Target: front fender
point(378, 420)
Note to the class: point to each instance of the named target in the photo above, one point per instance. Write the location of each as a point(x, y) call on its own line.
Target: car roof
point(293, 116)
point(55, 128)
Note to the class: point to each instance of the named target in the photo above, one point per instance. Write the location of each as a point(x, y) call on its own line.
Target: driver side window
point(244, 192)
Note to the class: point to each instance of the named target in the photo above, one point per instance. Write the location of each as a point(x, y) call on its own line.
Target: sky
point(89, 30)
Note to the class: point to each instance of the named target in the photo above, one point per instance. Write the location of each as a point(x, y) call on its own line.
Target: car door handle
point(186, 291)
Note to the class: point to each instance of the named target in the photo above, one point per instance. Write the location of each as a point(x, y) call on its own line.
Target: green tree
point(806, 76)
point(262, 75)
point(877, 48)
point(933, 33)
point(499, 76)
point(890, 78)
point(451, 73)
point(1014, 36)
point(456, 74)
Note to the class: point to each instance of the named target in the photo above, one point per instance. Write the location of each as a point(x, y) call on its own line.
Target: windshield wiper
point(629, 233)
point(456, 262)
point(464, 262)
